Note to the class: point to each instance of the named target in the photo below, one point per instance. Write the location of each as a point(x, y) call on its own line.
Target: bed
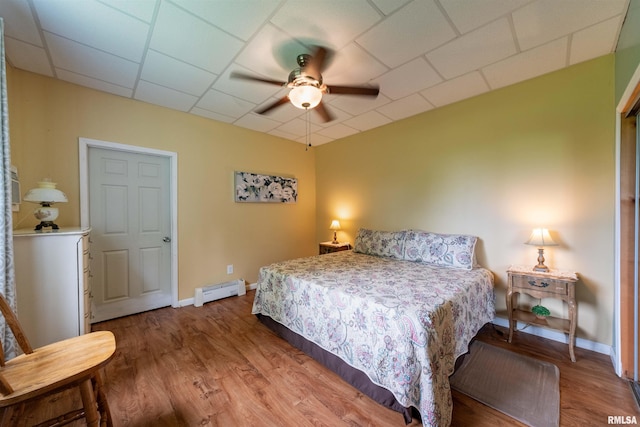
point(390, 316)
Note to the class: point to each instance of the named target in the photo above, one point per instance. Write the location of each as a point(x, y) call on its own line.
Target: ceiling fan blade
point(273, 105)
point(324, 113)
point(243, 76)
point(317, 62)
point(353, 90)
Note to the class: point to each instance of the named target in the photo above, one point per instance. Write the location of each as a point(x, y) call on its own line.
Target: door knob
point(166, 239)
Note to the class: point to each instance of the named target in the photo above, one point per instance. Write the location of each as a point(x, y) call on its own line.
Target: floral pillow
point(380, 243)
point(445, 250)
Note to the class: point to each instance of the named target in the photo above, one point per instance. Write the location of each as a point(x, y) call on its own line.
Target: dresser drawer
point(537, 284)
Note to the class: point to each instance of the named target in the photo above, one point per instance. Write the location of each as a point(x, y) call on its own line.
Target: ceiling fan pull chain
point(308, 130)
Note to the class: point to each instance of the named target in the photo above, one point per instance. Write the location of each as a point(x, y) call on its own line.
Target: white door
point(129, 210)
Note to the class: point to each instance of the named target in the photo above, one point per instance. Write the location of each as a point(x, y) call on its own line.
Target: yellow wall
point(48, 116)
point(539, 153)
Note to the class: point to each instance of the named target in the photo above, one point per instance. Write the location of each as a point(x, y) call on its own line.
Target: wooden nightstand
point(328, 247)
point(553, 284)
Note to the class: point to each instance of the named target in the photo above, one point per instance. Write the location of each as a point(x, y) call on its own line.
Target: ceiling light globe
point(305, 97)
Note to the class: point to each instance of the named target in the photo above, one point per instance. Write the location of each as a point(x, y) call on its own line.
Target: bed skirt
point(353, 376)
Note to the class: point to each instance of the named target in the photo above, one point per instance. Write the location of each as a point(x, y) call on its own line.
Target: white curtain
point(7, 276)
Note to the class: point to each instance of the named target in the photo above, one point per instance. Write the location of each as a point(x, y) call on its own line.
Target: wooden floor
point(218, 366)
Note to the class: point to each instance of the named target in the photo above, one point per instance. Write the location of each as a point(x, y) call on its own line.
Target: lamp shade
point(305, 96)
point(540, 237)
point(335, 225)
point(45, 192)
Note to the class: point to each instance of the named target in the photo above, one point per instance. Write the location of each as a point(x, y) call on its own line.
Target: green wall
point(539, 153)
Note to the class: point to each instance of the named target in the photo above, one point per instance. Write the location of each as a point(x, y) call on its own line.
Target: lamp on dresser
point(45, 194)
point(540, 237)
point(335, 226)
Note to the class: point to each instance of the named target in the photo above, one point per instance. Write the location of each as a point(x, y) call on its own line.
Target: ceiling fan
point(307, 86)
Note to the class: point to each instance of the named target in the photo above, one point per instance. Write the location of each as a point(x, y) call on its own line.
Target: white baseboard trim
point(187, 301)
point(252, 286)
point(556, 336)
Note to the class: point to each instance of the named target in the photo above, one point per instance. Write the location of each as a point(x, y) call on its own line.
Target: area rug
point(521, 387)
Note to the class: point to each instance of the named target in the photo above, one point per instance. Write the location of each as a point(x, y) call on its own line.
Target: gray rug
point(521, 387)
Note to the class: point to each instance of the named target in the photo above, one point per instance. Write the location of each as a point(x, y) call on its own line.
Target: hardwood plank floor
point(218, 366)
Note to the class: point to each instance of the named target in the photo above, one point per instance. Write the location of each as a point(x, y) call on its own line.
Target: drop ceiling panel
point(222, 103)
point(97, 25)
point(334, 23)
point(468, 15)
point(409, 78)
point(190, 39)
point(541, 60)
point(594, 41)
point(298, 127)
point(142, 10)
point(454, 90)
point(486, 45)
point(366, 121)
point(389, 6)
point(96, 84)
point(352, 65)
point(257, 122)
point(544, 20)
point(211, 115)
point(405, 107)
point(29, 57)
point(357, 105)
point(84, 60)
point(19, 23)
point(423, 54)
point(166, 71)
point(271, 53)
point(337, 131)
point(160, 95)
point(279, 133)
point(240, 18)
point(413, 30)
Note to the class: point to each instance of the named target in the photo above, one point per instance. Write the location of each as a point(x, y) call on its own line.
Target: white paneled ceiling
point(423, 54)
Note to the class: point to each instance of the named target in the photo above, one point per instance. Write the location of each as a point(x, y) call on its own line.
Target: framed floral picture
point(253, 187)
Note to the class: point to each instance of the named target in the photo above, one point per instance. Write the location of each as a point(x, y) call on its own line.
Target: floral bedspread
point(402, 323)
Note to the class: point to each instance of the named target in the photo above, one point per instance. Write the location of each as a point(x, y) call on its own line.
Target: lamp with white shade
point(540, 237)
point(45, 194)
point(335, 226)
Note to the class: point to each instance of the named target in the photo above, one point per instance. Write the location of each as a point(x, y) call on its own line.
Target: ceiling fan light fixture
point(305, 97)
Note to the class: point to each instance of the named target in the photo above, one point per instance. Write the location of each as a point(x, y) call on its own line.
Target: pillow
point(388, 244)
point(445, 250)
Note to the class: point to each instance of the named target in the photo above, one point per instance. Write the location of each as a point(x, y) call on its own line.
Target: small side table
point(328, 247)
point(552, 284)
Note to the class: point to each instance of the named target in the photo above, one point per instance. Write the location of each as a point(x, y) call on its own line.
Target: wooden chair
point(36, 374)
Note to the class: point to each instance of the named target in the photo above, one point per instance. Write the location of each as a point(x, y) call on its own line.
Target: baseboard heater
point(221, 290)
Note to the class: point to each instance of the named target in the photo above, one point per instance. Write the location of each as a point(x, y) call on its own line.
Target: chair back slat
point(12, 320)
